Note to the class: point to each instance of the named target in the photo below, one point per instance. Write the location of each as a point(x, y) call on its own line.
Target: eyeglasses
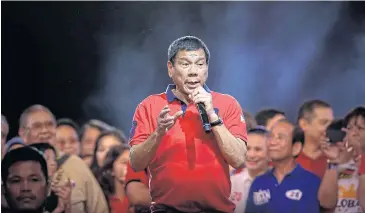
point(38, 126)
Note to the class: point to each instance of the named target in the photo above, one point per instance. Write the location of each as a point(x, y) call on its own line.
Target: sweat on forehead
point(32, 109)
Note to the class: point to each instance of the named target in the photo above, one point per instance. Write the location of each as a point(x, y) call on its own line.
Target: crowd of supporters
point(55, 166)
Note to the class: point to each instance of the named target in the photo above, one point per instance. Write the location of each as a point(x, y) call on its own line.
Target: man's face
point(4, 135)
point(189, 70)
point(88, 140)
point(40, 127)
point(356, 133)
point(257, 158)
point(26, 185)
point(280, 142)
point(317, 125)
point(67, 140)
point(272, 121)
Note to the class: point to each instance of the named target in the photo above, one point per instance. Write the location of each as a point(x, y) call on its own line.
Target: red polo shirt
point(317, 166)
point(362, 165)
point(188, 171)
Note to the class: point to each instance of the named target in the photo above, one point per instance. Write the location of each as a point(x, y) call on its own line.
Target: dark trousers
point(160, 208)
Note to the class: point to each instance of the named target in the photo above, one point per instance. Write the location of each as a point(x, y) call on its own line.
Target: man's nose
point(250, 153)
point(193, 71)
point(24, 186)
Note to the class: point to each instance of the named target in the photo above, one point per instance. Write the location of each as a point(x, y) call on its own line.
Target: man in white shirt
point(257, 163)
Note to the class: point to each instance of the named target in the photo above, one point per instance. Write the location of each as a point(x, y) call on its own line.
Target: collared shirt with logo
point(296, 193)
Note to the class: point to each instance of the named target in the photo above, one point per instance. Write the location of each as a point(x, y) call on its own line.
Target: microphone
point(204, 116)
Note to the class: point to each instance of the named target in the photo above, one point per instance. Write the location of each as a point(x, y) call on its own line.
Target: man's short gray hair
point(31, 109)
point(188, 43)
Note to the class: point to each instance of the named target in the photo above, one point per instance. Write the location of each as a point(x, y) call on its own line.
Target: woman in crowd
point(58, 190)
point(112, 178)
point(103, 144)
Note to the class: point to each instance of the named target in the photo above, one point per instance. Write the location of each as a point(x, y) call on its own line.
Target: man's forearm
point(142, 154)
point(233, 149)
point(361, 192)
point(328, 190)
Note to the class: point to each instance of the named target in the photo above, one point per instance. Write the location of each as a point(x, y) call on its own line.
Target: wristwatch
point(217, 122)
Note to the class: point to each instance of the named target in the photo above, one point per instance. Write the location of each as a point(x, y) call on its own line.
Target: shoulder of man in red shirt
point(141, 124)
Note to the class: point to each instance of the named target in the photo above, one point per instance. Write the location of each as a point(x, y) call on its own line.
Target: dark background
point(100, 59)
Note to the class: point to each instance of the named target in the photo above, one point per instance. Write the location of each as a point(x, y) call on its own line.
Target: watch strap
point(217, 122)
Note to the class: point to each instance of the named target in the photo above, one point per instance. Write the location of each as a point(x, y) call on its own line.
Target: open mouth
point(192, 84)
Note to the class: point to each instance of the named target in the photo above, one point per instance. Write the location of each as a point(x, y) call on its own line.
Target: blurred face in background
point(88, 159)
point(88, 140)
point(257, 156)
point(40, 126)
point(120, 167)
point(67, 140)
point(356, 134)
point(280, 142)
point(50, 157)
point(316, 126)
point(4, 135)
point(105, 144)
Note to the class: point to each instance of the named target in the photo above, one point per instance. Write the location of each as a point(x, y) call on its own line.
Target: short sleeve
point(135, 176)
point(234, 120)
point(362, 165)
point(140, 130)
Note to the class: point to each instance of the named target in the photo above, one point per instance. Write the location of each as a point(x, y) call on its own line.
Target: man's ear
point(297, 148)
point(303, 123)
point(170, 68)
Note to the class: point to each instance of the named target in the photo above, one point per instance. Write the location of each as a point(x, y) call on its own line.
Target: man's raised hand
point(165, 121)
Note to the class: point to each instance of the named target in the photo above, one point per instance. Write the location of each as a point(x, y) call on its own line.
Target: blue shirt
point(297, 193)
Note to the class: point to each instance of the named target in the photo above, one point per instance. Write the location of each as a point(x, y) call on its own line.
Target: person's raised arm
point(143, 142)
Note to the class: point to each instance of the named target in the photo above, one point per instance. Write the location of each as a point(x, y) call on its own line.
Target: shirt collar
point(171, 96)
point(297, 169)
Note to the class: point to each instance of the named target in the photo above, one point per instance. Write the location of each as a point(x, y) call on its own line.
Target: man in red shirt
point(188, 168)
point(314, 117)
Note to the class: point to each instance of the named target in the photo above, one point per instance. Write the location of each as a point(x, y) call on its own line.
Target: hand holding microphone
point(204, 103)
